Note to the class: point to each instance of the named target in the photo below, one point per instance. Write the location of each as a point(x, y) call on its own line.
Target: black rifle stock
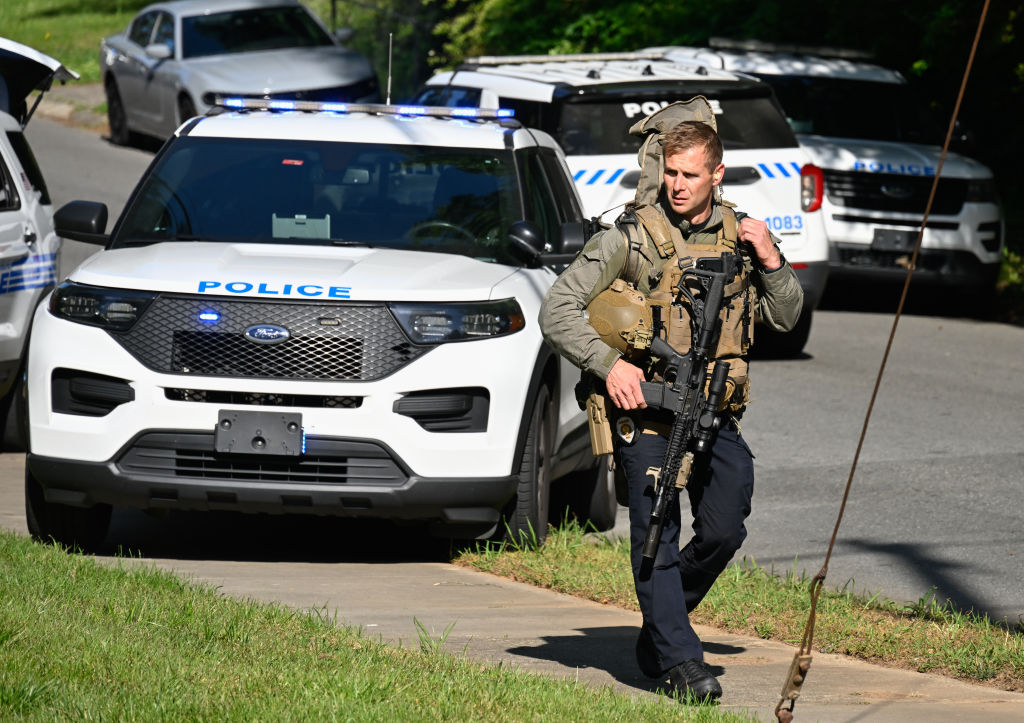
point(697, 416)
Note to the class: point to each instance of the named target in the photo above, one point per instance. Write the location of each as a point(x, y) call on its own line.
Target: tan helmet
point(621, 317)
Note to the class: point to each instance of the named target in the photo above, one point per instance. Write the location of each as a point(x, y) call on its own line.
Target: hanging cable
point(798, 669)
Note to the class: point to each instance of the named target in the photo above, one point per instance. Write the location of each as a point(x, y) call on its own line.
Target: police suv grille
point(326, 461)
point(338, 341)
point(894, 192)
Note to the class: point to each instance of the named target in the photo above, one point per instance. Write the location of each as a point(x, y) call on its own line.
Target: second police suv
point(589, 101)
point(318, 309)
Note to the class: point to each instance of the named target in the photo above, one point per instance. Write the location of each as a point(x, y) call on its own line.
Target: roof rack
point(761, 46)
point(562, 57)
point(236, 103)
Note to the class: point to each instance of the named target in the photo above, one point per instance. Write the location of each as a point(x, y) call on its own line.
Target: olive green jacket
point(779, 295)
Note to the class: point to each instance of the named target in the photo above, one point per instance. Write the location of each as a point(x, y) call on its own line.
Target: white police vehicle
point(878, 152)
point(28, 245)
point(588, 102)
point(317, 308)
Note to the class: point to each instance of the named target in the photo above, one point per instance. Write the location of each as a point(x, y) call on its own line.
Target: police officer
point(677, 215)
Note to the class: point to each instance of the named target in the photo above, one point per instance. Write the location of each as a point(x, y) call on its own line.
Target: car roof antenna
point(391, 47)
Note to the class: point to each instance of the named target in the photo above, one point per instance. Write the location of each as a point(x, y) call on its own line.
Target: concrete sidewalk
point(76, 104)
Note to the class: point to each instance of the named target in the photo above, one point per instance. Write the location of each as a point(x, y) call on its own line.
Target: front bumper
point(180, 471)
point(961, 250)
point(376, 410)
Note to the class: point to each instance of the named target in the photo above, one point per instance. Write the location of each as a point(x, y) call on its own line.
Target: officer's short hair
point(694, 134)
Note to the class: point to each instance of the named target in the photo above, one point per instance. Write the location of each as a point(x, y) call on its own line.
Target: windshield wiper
point(346, 242)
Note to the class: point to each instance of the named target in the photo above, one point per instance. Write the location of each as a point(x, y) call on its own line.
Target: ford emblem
point(266, 334)
point(896, 190)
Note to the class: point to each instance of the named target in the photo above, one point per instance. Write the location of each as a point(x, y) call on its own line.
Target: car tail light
point(812, 187)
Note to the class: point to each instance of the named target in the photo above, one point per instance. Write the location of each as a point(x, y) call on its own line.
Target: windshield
point(862, 109)
point(241, 31)
point(594, 128)
point(230, 190)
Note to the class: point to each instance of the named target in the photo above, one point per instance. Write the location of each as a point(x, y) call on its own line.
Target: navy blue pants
point(719, 492)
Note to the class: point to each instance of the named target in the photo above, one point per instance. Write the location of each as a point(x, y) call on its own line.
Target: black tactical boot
point(693, 682)
point(646, 657)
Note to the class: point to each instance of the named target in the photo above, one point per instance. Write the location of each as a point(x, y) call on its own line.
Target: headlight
point(981, 190)
point(114, 309)
point(436, 323)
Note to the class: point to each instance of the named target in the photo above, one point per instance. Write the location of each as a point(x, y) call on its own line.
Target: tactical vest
point(656, 257)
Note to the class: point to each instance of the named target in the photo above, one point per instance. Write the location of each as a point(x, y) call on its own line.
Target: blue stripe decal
point(766, 170)
point(578, 176)
point(796, 167)
point(615, 176)
point(593, 179)
point(782, 169)
point(31, 272)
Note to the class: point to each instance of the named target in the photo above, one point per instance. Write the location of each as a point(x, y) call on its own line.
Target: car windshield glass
point(449, 200)
point(845, 108)
point(594, 128)
point(241, 31)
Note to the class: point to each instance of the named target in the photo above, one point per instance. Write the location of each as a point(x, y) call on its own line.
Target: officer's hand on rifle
point(623, 384)
point(755, 233)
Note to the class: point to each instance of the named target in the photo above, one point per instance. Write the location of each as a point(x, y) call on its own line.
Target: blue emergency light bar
point(376, 108)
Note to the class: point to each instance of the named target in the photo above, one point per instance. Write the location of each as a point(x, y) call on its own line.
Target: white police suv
point(317, 308)
point(877, 151)
point(28, 245)
point(588, 102)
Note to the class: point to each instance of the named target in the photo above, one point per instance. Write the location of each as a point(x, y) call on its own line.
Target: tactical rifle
point(697, 414)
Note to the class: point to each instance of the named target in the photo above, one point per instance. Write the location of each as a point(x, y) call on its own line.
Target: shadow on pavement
point(609, 649)
point(270, 538)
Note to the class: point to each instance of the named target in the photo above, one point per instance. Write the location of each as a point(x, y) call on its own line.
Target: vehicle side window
point(449, 96)
point(530, 113)
point(165, 32)
point(142, 28)
point(558, 178)
point(540, 202)
point(28, 164)
point(9, 200)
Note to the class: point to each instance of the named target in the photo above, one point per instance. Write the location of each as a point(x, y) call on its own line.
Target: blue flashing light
point(234, 102)
point(334, 107)
point(464, 112)
point(282, 105)
point(210, 317)
point(303, 440)
point(505, 112)
point(411, 110)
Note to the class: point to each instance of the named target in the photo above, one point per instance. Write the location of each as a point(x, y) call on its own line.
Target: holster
point(599, 425)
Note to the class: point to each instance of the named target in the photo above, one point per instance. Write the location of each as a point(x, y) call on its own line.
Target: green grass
point(747, 599)
point(81, 640)
point(69, 30)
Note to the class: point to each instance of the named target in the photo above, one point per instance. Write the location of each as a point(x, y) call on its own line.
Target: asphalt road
point(934, 507)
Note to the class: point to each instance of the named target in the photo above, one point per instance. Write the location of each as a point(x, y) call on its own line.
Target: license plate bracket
point(893, 239)
point(265, 433)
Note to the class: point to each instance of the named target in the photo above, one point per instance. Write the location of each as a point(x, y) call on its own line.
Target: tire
point(770, 344)
point(83, 528)
point(120, 135)
point(186, 109)
point(526, 518)
point(589, 496)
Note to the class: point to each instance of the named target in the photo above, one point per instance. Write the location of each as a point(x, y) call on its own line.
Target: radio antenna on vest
point(391, 40)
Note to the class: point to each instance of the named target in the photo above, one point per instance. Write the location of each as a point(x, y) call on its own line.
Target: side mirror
point(343, 35)
point(526, 241)
point(84, 221)
point(159, 51)
point(574, 235)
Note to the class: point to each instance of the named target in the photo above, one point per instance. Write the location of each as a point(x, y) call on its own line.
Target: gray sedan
point(176, 57)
